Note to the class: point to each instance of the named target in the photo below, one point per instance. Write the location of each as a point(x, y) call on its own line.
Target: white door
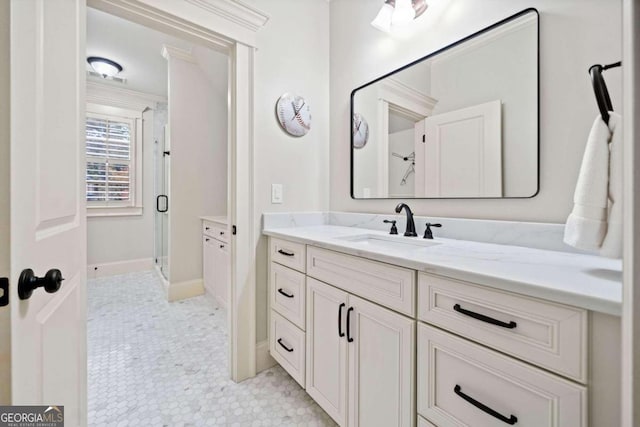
point(462, 153)
point(381, 360)
point(327, 348)
point(48, 226)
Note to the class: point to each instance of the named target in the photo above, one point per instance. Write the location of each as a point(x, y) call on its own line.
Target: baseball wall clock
point(360, 131)
point(293, 114)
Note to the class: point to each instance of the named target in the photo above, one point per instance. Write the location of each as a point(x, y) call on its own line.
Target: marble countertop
point(221, 219)
point(586, 281)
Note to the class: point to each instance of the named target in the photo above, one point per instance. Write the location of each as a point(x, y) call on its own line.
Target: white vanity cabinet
point(385, 345)
point(359, 359)
point(215, 260)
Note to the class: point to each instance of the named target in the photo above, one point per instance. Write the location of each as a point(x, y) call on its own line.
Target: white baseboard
point(183, 290)
point(263, 358)
point(119, 267)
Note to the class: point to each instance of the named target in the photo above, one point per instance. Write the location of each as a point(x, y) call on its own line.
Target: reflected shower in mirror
point(459, 123)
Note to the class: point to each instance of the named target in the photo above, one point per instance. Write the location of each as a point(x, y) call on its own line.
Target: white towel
point(596, 220)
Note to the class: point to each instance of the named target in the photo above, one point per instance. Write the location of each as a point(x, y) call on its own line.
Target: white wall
point(292, 56)
point(198, 112)
point(568, 46)
point(127, 238)
point(5, 325)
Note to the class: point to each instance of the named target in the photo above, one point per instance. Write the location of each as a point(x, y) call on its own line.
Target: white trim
point(184, 290)
point(95, 212)
point(630, 388)
point(106, 94)
point(169, 51)
point(119, 267)
point(263, 357)
point(413, 103)
point(235, 11)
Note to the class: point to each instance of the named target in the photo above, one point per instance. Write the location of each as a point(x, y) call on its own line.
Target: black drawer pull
point(349, 338)
point(285, 253)
point(280, 291)
point(222, 233)
point(207, 228)
point(206, 240)
point(484, 318)
point(284, 346)
point(511, 420)
point(340, 333)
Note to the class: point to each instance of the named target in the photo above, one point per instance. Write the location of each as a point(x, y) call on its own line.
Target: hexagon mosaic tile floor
point(154, 363)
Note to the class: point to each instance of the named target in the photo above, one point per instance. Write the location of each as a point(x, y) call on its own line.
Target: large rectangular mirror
point(459, 123)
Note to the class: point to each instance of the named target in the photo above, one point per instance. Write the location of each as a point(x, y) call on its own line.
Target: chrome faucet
point(411, 226)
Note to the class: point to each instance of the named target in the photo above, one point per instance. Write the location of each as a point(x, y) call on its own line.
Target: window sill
point(113, 212)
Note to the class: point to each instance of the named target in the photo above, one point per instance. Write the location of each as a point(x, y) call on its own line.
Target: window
point(112, 167)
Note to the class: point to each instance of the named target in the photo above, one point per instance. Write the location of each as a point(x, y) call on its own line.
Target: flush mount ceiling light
point(103, 66)
point(398, 13)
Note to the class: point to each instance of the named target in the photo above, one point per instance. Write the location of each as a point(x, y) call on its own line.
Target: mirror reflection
point(460, 123)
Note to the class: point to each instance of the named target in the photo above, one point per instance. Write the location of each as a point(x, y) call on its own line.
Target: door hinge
point(424, 138)
point(4, 285)
point(233, 230)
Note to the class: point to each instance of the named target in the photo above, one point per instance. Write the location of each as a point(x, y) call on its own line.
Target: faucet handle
point(394, 229)
point(427, 232)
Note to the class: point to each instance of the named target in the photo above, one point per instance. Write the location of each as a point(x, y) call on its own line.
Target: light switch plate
point(276, 193)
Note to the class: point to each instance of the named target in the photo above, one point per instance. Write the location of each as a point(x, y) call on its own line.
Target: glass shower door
point(162, 203)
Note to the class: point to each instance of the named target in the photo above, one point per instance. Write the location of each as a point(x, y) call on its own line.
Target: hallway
point(154, 363)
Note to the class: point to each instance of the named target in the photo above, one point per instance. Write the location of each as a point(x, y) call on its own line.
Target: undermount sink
point(389, 242)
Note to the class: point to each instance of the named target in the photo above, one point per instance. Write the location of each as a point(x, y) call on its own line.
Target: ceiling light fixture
point(398, 13)
point(103, 66)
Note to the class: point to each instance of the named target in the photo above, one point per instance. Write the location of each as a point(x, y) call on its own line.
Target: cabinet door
point(381, 360)
point(326, 349)
point(208, 264)
point(222, 273)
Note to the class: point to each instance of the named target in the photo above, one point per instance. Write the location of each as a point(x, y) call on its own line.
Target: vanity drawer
point(287, 253)
point(287, 346)
point(215, 230)
point(287, 288)
point(549, 335)
point(452, 371)
point(388, 285)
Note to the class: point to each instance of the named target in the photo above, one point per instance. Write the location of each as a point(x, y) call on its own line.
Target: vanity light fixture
point(398, 13)
point(103, 66)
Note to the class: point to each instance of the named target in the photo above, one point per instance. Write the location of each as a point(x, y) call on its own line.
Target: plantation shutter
point(109, 161)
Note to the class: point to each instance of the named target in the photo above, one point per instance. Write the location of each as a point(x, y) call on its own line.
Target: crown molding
point(235, 11)
point(105, 94)
point(169, 51)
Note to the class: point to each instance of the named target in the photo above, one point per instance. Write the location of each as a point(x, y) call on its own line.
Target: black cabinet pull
point(349, 338)
point(280, 251)
point(221, 246)
point(207, 228)
point(280, 291)
point(4, 285)
point(484, 318)
point(511, 420)
point(206, 240)
point(340, 333)
point(284, 346)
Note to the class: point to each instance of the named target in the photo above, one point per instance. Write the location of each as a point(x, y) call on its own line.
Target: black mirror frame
point(452, 45)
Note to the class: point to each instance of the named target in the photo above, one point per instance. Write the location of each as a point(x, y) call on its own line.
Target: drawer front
point(287, 346)
point(546, 334)
point(287, 288)
point(215, 230)
point(291, 254)
point(460, 383)
point(390, 286)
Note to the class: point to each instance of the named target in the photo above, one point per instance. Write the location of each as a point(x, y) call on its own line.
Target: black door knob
point(28, 282)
